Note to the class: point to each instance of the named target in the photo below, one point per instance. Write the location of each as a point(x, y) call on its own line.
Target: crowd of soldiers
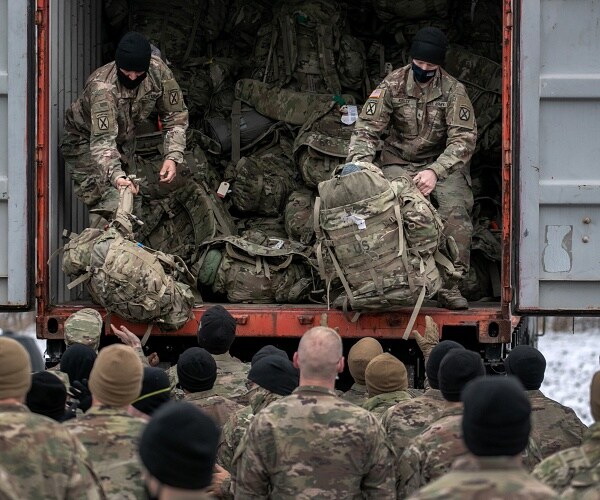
point(107, 424)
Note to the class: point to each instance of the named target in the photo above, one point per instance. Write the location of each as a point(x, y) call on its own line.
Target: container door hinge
point(39, 17)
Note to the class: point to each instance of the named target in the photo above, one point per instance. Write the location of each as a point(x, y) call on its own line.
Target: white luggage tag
point(223, 189)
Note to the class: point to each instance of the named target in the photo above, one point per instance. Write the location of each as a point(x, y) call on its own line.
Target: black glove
point(80, 391)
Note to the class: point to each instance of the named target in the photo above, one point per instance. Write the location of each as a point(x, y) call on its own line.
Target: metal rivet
point(585, 239)
point(587, 220)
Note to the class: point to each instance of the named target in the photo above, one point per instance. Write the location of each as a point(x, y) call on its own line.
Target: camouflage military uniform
point(473, 478)
point(574, 472)
point(431, 454)
point(218, 407)
point(555, 427)
point(99, 141)
point(409, 418)
point(434, 129)
point(111, 437)
point(8, 487)
point(314, 444)
point(357, 394)
point(379, 404)
point(45, 460)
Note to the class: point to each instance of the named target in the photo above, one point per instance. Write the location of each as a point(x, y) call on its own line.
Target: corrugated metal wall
point(76, 50)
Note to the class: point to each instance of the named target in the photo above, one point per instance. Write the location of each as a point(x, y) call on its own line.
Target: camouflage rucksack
point(378, 237)
point(352, 62)
point(273, 227)
point(299, 216)
point(261, 272)
point(128, 279)
point(299, 48)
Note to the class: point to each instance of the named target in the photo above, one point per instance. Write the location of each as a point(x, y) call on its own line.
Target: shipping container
point(547, 178)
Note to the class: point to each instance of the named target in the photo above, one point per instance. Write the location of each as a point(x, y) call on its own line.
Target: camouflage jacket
point(314, 444)
point(431, 454)
point(110, 436)
point(379, 404)
point(554, 426)
point(409, 418)
point(574, 472)
point(357, 394)
point(43, 458)
point(8, 486)
point(218, 407)
point(473, 478)
point(433, 127)
point(106, 114)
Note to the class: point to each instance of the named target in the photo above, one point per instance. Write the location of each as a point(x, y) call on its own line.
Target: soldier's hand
point(220, 475)
point(426, 181)
point(127, 337)
point(168, 171)
point(124, 181)
point(430, 339)
point(153, 359)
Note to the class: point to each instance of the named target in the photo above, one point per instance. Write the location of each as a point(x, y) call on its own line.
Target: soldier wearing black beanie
point(133, 52)
point(178, 448)
point(457, 369)
point(435, 358)
point(528, 365)
point(276, 374)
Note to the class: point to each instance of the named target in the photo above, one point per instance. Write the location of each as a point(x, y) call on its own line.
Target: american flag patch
point(376, 94)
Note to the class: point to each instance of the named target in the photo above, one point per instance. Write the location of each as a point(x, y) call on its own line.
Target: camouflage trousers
point(453, 198)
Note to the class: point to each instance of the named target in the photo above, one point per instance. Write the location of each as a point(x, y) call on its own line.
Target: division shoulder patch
point(102, 118)
point(372, 108)
point(463, 115)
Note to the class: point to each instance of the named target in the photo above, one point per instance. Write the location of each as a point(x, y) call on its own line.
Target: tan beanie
point(386, 373)
point(360, 355)
point(15, 369)
point(595, 397)
point(116, 378)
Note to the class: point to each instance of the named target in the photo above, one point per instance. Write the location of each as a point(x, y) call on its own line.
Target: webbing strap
point(340, 274)
point(147, 334)
point(82, 279)
point(236, 115)
point(400, 229)
point(415, 313)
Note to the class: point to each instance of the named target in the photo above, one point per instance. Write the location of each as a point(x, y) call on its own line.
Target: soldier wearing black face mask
point(432, 136)
point(98, 144)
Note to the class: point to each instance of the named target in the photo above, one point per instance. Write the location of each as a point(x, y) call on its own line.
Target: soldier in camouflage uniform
point(575, 472)
point(178, 448)
point(41, 456)
point(432, 136)
point(495, 427)
point(197, 373)
point(407, 419)
point(387, 383)
point(359, 357)
point(554, 427)
point(108, 432)
point(313, 443)
point(431, 454)
point(8, 487)
point(99, 140)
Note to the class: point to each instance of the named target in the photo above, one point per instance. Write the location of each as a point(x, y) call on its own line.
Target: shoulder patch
point(463, 115)
point(372, 108)
point(102, 117)
point(172, 96)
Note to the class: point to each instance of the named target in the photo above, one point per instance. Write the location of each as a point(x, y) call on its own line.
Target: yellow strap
point(415, 313)
point(82, 279)
point(147, 333)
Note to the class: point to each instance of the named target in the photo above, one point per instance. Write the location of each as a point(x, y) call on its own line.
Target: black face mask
point(422, 75)
point(127, 82)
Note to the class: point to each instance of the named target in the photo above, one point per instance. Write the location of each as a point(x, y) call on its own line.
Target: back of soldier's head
point(216, 331)
point(196, 370)
point(435, 358)
point(384, 374)
point(360, 356)
point(319, 352)
point(15, 370)
point(47, 396)
point(83, 327)
point(496, 416)
point(528, 365)
point(274, 373)
point(595, 397)
point(457, 369)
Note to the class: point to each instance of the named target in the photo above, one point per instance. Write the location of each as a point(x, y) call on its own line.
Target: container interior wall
point(75, 51)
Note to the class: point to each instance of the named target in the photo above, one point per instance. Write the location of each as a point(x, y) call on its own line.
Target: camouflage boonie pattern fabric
point(8, 487)
point(357, 394)
point(314, 444)
point(99, 140)
point(43, 458)
point(474, 478)
point(218, 407)
point(574, 472)
point(379, 404)
point(431, 454)
point(299, 216)
point(83, 327)
point(554, 427)
point(111, 437)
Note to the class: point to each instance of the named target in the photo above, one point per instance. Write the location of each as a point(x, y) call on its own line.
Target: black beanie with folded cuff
point(276, 374)
point(196, 370)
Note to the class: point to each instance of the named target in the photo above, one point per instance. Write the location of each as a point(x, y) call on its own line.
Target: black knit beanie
point(156, 390)
point(276, 374)
point(528, 365)
point(429, 45)
point(268, 350)
point(216, 331)
point(77, 362)
point(47, 396)
point(133, 52)
point(179, 446)
point(435, 358)
point(457, 369)
point(196, 369)
point(496, 416)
